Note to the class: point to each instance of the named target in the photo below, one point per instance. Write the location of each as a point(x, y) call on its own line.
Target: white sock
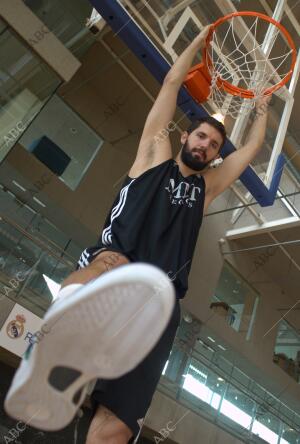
point(68, 290)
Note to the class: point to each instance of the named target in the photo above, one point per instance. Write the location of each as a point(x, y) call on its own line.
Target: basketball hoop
point(247, 55)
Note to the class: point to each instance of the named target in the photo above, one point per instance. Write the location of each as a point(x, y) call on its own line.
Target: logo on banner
point(15, 328)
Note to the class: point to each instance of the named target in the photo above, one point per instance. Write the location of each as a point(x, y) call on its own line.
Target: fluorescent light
point(211, 339)
point(39, 202)
point(18, 185)
point(219, 117)
point(196, 370)
point(221, 347)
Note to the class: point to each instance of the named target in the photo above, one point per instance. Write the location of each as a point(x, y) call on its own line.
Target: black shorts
point(130, 396)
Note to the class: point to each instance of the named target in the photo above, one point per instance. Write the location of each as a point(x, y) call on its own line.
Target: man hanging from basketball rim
point(151, 230)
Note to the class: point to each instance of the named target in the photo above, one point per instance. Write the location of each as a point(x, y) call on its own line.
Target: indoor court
point(156, 143)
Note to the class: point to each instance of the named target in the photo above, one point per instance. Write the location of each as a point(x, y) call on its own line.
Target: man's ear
point(184, 137)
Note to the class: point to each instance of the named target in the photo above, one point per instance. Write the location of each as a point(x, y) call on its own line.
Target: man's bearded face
point(201, 147)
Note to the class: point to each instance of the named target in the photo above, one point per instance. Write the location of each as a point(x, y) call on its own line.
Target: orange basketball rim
point(200, 77)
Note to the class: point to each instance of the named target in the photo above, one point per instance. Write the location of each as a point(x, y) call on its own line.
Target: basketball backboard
point(157, 32)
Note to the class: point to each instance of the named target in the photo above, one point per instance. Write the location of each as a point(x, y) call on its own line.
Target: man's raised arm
point(153, 147)
point(234, 165)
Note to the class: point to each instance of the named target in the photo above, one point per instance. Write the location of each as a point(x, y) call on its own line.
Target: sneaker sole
point(103, 330)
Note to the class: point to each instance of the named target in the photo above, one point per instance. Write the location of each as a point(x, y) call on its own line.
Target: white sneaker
point(103, 330)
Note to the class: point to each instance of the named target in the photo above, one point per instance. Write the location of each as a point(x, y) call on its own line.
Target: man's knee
point(110, 259)
point(113, 438)
point(107, 428)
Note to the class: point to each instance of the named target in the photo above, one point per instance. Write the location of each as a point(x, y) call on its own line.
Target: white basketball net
point(250, 53)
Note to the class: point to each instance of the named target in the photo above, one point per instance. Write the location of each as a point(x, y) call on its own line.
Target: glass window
point(36, 225)
point(175, 362)
point(214, 388)
point(235, 300)
point(225, 367)
point(287, 349)
point(204, 349)
point(267, 427)
point(66, 19)
point(218, 386)
point(26, 84)
point(240, 377)
point(290, 435)
point(257, 390)
point(238, 407)
point(59, 134)
point(204, 384)
point(287, 413)
point(31, 272)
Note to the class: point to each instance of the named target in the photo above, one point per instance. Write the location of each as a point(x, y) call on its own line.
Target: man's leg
point(130, 395)
point(137, 283)
point(105, 261)
point(105, 426)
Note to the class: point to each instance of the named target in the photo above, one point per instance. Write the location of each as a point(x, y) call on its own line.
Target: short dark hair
point(211, 121)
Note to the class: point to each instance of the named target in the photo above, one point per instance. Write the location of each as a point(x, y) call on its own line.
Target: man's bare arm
point(154, 146)
point(219, 179)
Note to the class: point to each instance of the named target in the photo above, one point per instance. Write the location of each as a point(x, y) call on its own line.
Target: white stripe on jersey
point(107, 230)
point(85, 254)
point(116, 211)
point(83, 260)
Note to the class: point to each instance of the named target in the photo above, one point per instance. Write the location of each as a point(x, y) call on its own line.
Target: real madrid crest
point(15, 328)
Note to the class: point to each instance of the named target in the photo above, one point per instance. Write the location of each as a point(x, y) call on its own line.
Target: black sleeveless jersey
point(156, 219)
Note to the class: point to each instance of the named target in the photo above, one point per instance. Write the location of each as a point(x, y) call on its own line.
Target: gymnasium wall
point(110, 101)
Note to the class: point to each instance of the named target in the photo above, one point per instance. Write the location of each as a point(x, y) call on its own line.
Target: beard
point(190, 161)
